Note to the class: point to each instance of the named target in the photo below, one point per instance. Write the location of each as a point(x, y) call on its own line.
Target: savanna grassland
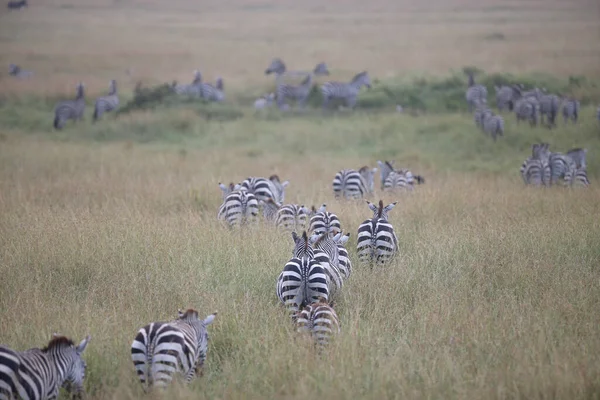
point(106, 227)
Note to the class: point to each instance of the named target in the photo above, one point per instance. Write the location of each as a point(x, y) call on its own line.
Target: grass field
point(106, 227)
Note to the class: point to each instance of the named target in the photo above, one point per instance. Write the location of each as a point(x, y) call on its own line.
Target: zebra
point(292, 217)
point(301, 92)
point(324, 221)
point(17, 5)
point(270, 209)
point(108, 103)
point(549, 105)
point(578, 156)
point(70, 109)
point(163, 348)
point(213, 93)
point(265, 189)
point(326, 252)
point(320, 320)
point(526, 108)
point(352, 184)
point(192, 89)
point(392, 179)
point(18, 72)
point(493, 125)
point(38, 374)
point(239, 207)
point(345, 265)
point(482, 111)
point(376, 240)
point(475, 93)
point(226, 189)
point(561, 167)
point(347, 91)
point(570, 110)
point(506, 96)
point(535, 170)
point(303, 279)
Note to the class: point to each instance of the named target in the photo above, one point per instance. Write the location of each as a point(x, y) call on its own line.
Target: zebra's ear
point(285, 184)
point(322, 208)
point(295, 237)
point(372, 206)
point(180, 313)
point(81, 346)
point(390, 206)
point(209, 320)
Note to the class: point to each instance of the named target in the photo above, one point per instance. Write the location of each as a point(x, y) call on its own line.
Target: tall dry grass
point(494, 294)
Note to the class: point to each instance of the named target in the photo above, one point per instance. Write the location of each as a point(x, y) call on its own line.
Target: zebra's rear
point(70, 109)
point(292, 218)
point(376, 240)
point(320, 320)
point(324, 221)
point(570, 110)
point(240, 207)
point(352, 184)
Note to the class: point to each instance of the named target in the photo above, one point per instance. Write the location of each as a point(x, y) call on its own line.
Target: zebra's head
point(419, 179)
point(80, 91)
point(381, 211)
point(219, 83)
point(361, 79)
point(226, 189)
point(321, 70)
point(385, 167)
point(368, 175)
point(68, 357)
point(276, 67)
point(112, 87)
point(197, 77)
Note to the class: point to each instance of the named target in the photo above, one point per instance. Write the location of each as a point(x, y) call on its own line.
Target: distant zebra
point(570, 110)
point(239, 207)
point(213, 93)
point(324, 221)
point(580, 173)
point(562, 167)
point(70, 109)
point(377, 240)
point(506, 96)
point(352, 184)
point(162, 348)
point(192, 89)
point(475, 93)
point(347, 91)
point(320, 320)
point(292, 217)
point(17, 5)
point(549, 105)
point(527, 108)
point(535, 170)
point(108, 103)
point(326, 252)
point(303, 280)
point(345, 265)
point(482, 111)
point(300, 92)
point(265, 189)
point(393, 179)
point(38, 374)
point(493, 125)
point(18, 72)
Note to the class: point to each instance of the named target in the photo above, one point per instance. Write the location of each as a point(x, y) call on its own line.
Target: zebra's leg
point(325, 102)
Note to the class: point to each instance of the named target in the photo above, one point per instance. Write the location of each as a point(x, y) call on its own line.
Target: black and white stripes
point(376, 239)
point(107, 103)
point(352, 184)
point(320, 321)
point(239, 207)
point(346, 91)
point(70, 109)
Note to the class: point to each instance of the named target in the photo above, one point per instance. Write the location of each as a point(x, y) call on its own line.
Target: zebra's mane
point(358, 76)
point(58, 341)
point(363, 169)
point(380, 210)
point(188, 314)
point(274, 178)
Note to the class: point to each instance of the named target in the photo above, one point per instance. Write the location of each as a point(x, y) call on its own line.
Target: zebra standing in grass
point(506, 96)
point(345, 265)
point(475, 93)
point(108, 103)
point(526, 108)
point(376, 240)
point(324, 221)
point(320, 320)
point(482, 111)
point(265, 189)
point(562, 167)
point(226, 189)
point(17, 5)
point(18, 72)
point(301, 92)
point(352, 184)
point(392, 179)
point(292, 217)
point(535, 170)
point(191, 89)
point(549, 105)
point(239, 207)
point(326, 252)
point(213, 93)
point(347, 91)
point(580, 173)
point(70, 109)
point(38, 374)
point(493, 125)
point(162, 348)
point(303, 280)
point(570, 109)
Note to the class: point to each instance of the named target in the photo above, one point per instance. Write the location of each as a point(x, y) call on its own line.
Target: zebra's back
point(535, 172)
point(292, 217)
point(320, 320)
point(348, 184)
point(325, 221)
point(302, 281)
point(376, 241)
point(240, 207)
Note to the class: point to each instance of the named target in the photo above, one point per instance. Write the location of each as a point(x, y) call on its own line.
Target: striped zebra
point(239, 207)
point(213, 92)
point(270, 209)
point(346, 91)
point(299, 93)
point(326, 252)
point(17, 5)
point(191, 89)
point(38, 374)
point(376, 239)
point(392, 179)
point(303, 280)
point(493, 125)
point(506, 96)
point(549, 106)
point(570, 110)
point(324, 221)
point(580, 174)
point(108, 103)
point(475, 93)
point(526, 109)
point(352, 184)
point(292, 217)
point(18, 72)
point(562, 167)
point(265, 189)
point(345, 265)
point(70, 109)
point(535, 170)
point(226, 189)
point(161, 349)
point(482, 111)
point(320, 320)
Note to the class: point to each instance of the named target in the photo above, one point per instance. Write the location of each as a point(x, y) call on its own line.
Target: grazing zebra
point(38, 374)
point(324, 221)
point(392, 179)
point(163, 348)
point(493, 125)
point(320, 320)
point(18, 72)
point(17, 5)
point(265, 189)
point(475, 93)
point(192, 89)
point(108, 103)
point(270, 209)
point(292, 217)
point(352, 184)
point(376, 240)
point(549, 105)
point(264, 102)
point(303, 280)
point(326, 252)
point(213, 93)
point(526, 108)
point(70, 109)
point(506, 96)
point(239, 207)
point(482, 111)
point(570, 110)
point(347, 91)
point(301, 92)
point(345, 265)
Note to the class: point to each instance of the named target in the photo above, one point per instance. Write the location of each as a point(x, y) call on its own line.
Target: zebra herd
point(546, 168)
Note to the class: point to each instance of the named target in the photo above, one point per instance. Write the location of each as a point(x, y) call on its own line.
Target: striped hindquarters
point(349, 184)
point(580, 177)
point(345, 264)
point(493, 125)
point(549, 105)
point(292, 217)
point(526, 109)
point(265, 189)
point(320, 320)
point(213, 93)
point(535, 172)
point(476, 94)
point(324, 221)
point(376, 241)
point(240, 207)
point(326, 252)
point(570, 110)
point(399, 179)
point(561, 167)
point(301, 282)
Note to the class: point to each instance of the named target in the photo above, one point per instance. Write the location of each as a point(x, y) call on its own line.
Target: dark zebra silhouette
point(107, 103)
point(70, 109)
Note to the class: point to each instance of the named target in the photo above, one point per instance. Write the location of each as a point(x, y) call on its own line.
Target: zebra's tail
point(95, 116)
point(56, 122)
